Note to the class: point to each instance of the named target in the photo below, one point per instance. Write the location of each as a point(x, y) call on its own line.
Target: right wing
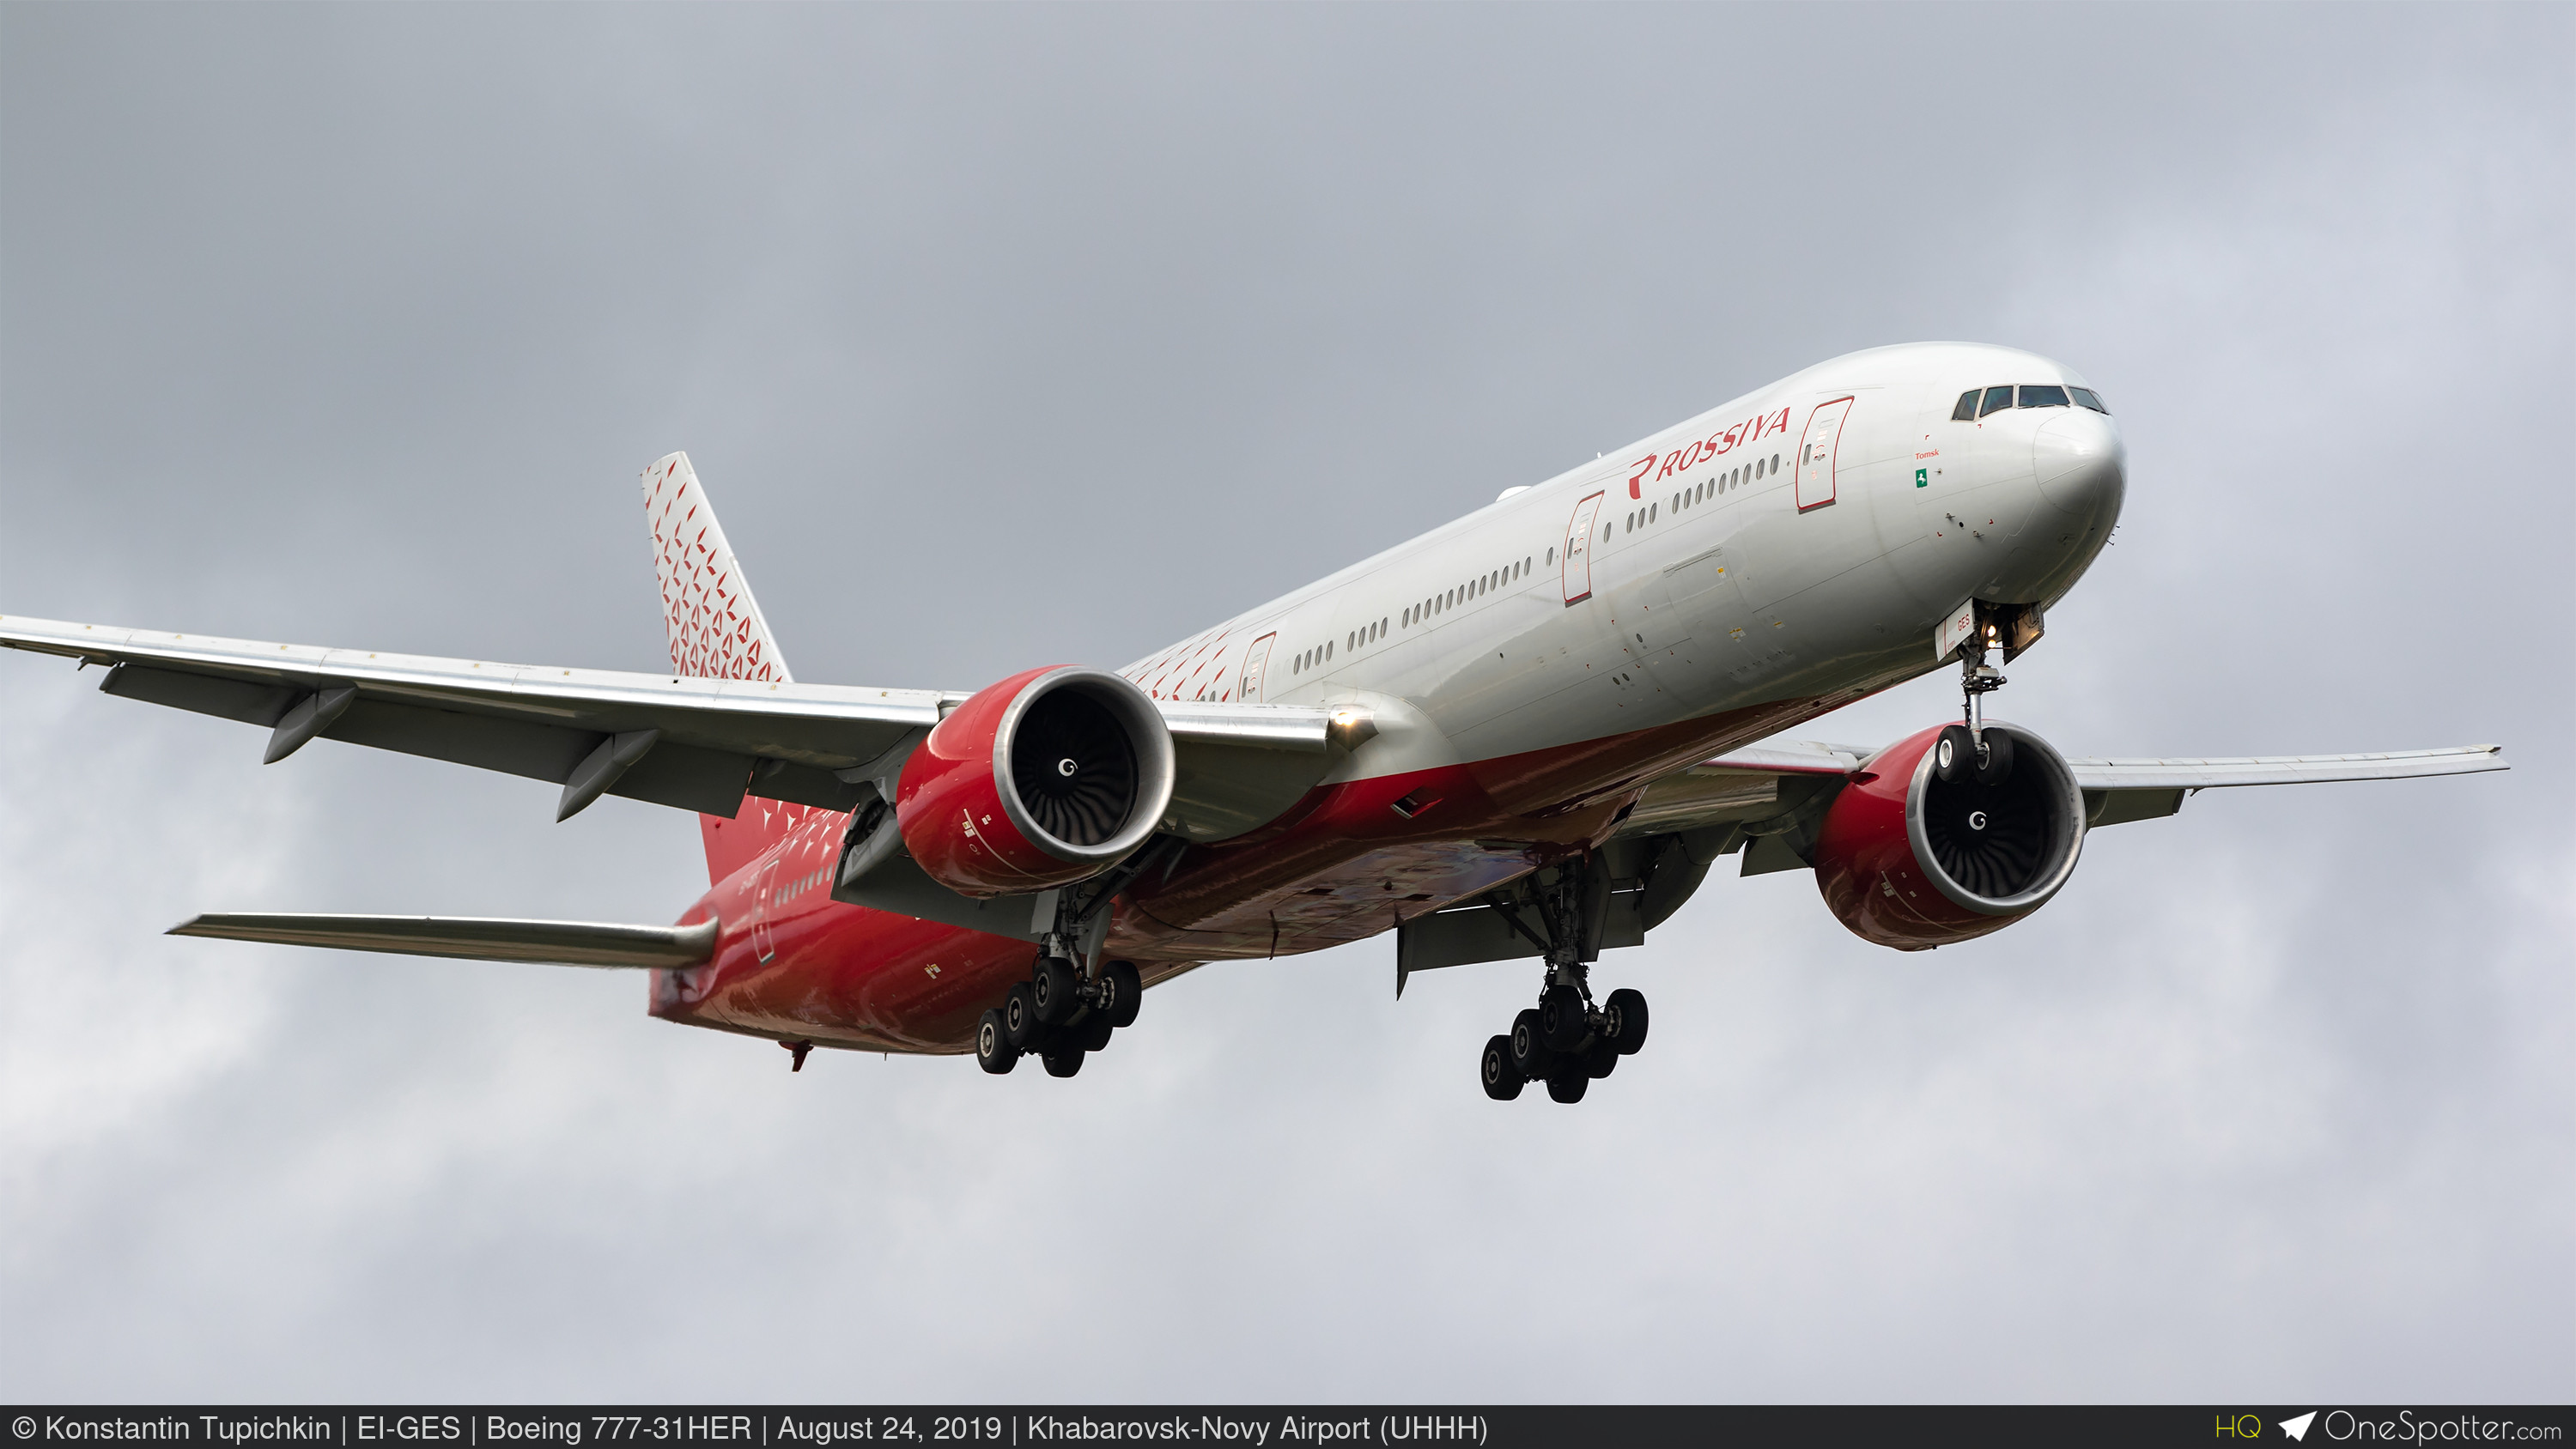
point(692, 743)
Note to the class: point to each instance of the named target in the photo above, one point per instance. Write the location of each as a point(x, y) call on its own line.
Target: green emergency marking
point(1922, 478)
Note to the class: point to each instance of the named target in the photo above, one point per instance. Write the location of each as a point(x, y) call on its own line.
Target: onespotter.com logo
point(2406, 1426)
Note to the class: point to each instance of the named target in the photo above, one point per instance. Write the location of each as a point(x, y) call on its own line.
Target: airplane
point(1524, 736)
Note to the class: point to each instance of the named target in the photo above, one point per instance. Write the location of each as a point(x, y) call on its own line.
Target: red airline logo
point(1715, 445)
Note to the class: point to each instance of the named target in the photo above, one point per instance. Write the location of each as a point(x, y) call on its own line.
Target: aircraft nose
point(2081, 465)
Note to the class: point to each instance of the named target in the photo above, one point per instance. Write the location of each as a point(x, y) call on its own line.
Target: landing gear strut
point(1567, 1040)
point(1965, 750)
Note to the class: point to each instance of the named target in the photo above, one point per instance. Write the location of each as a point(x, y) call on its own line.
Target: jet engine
point(1044, 779)
point(1911, 859)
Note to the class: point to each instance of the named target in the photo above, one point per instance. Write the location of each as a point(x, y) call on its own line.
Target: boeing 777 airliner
point(1524, 736)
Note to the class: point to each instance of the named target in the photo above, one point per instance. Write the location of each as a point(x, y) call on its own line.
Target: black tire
point(1126, 990)
point(1561, 1019)
point(1527, 1048)
point(1092, 1032)
point(1624, 1024)
point(1503, 1081)
point(993, 1049)
point(1063, 1063)
point(1601, 1061)
point(1563, 1086)
point(1054, 990)
point(1954, 755)
point(1997, 765)
point(1020, 1018)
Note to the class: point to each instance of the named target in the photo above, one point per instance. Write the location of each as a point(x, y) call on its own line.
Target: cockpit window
point(1967, 407)
point(2044, 395)
point(1997, 399)
point(2090, 399)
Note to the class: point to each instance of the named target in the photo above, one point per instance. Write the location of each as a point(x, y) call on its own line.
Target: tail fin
point(715, 626)
point(716, 632)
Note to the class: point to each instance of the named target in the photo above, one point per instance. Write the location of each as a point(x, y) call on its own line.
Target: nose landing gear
point(1965, 750)
point(1566, 1041)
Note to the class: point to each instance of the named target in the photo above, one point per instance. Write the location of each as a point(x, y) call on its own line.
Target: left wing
point(692, 743)
point(1764, 784)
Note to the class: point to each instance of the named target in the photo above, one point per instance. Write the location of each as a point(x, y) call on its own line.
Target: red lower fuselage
point(1343, 865)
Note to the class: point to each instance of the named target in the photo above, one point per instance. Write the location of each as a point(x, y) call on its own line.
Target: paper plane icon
point(2298, 1428)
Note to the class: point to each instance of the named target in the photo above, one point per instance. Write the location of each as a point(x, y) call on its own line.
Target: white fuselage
point(1701, 570)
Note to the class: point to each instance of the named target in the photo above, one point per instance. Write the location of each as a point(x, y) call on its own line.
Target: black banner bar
point(1486, 1426)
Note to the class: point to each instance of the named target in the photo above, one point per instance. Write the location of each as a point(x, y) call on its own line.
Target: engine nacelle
point(1908, 860)
point(1046, 778)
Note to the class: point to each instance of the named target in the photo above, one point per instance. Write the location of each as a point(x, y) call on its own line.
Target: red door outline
point(1577, 556)
point(1256, 664)
point(762, 885)
point(1816, 472)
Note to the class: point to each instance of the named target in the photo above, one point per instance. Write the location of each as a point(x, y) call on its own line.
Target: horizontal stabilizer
point(472, 938)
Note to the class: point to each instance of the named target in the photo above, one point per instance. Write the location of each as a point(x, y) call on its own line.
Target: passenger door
point(1577, 556)
point(1256, 662)
point(1816, 454)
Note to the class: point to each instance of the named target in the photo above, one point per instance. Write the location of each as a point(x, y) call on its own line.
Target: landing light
point(1348, 728)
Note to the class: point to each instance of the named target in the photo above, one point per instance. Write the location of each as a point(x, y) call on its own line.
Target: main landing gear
point(1059, 1016)
point(1067, 1010)
point(1567, 1040)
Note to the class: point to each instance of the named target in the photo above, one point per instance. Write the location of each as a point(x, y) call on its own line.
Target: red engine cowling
point(1044, 779)
point(1908, 860)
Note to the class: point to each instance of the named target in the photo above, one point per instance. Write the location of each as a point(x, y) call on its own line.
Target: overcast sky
point(1010, 336)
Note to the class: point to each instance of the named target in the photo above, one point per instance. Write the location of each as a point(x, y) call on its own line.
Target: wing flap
point(471, 938)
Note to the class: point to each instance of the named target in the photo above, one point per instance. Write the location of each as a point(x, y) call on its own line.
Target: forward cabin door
point(1816, 454)
point(1577, 557)
point(1256, 662)
point(762, 885)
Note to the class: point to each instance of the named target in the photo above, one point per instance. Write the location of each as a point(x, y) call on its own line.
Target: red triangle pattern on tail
point(715, 631)
point(713, 625)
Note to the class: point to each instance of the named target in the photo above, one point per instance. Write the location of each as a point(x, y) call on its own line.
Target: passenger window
point(1967, 408)
point(1997, 399)
point(2090, 399)
point(2044, 395)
